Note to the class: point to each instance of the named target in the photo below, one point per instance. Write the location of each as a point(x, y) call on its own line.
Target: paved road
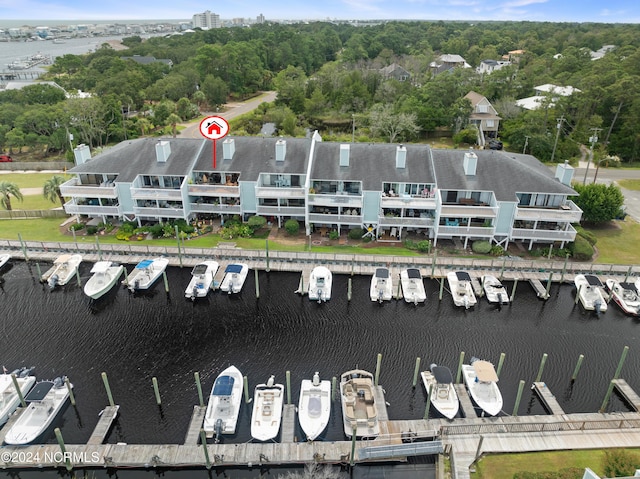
point(232, 110)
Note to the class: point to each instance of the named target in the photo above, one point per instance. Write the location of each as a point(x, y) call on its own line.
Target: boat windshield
point(223, 386)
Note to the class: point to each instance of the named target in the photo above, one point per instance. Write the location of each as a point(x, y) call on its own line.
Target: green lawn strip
point(41, 229)
point(504, 466)
point(629, 184)
point(33, 202)
point(30, 180)
point(618, 245)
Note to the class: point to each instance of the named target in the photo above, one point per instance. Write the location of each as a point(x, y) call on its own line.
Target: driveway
point(231, 110)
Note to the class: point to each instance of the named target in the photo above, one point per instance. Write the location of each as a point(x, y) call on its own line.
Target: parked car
point(495, 144)
point(5, 158)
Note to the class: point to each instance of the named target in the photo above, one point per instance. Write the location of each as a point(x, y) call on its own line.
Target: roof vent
point(228, 148)
point(401, 156)
point(344, 154)
point(281, 150)
point(163, 150)
point(470, 163)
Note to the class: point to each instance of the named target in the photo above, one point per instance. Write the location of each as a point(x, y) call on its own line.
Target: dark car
point(5, 158)
point(495, 144)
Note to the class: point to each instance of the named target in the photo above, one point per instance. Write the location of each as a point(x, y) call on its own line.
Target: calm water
point(136, 337)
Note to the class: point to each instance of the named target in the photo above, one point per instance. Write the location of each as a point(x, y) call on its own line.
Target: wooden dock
point(219, 276)
point(627, 393)
point(465, 401)
point(193, 433)
point(540, 290)
point(303, 284)
point(396, 289)
point(288, 423)
point(107, 416)
point(548, 398)
point(476, 283)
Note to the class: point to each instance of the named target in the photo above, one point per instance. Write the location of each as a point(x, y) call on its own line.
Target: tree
point(51, 189)
point(173, 120)
point(599, 202)
point(7, 190)
point(384, 122)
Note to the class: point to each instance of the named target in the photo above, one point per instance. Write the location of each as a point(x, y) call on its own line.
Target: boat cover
point(223, 386)
point(199, 269)
point(39, 391)
point(382, 273)
point(484, 371)
point(463, 276)
point(314, 406)
point(233, 268)
point(414, 273)
point(629, 286)
point(442, 374)
point(144, 264)
point(101, 267)
point(592, 280)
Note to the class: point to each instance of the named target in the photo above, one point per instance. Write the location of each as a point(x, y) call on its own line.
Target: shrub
point(410, 244)
point(292, 227)
point(76, 226)
point(123, 235)
point(581, 249)
point(156, 230)
point(91, 230)
point(481, 247)
point(424, 246)
point(128, 226)
point(333, 235)
point(589, 236)
point(356, 233)
point(497, 251)
point(235, 230)
point(256, 222)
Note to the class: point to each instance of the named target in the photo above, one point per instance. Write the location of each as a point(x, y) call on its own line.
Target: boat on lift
point(234, 277)
point(201, 282)
point(64, 268)
point(320, 281)
point(314, 406)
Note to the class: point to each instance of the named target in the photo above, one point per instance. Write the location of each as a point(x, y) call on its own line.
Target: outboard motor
point(218, 429)
point(194, 293)
point(58, 382)
point(53, 281)
point(380, 295)
point(230, 287)
point(597, 306)
point(316, 379)
point(320, 298)
point(25, 372)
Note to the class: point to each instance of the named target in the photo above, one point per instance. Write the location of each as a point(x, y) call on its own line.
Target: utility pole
point(526, 142)
point(558, 126)
point(593, 139)
point(353, 127)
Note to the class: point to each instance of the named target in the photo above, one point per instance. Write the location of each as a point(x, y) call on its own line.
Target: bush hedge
point(581, 249)
point(481, 247)
point(292, 227)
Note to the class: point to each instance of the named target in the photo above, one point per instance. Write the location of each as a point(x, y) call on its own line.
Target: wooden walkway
point(627, 393)
point(548, 399)
point(219, 276)
point(540, 290)
point(465, 401)
point(103, 427)
point(197, 418)
point(287, 434)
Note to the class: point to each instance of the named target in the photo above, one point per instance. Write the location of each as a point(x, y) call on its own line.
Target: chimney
point(470, 163)
point(82, 154)
point(344, 155)
point(564, 173)
point(228, 148)
point(401, 156)
point(163, 150)
point(281, 150)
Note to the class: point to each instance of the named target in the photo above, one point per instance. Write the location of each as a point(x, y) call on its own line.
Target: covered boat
point(234, 277)
point(412, 286)
point(221, 416)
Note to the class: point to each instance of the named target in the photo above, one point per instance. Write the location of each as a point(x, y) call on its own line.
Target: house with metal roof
point(388, 190)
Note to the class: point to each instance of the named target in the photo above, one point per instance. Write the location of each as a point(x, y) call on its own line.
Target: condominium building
point(206, 20)
point(387, 190)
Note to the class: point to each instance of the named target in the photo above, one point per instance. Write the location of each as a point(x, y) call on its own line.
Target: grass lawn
point(629, 184)
point(617, 242)
point(33, 202)
point(30, 180)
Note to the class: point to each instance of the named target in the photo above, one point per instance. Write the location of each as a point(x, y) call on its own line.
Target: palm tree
point(7, 190)
point(173, 120)
point(51, 189)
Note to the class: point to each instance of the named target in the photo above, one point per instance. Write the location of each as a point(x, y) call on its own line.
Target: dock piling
point(433, 262)
point(166, 281)
point(39, 271)
point(441, 289)
point(267, 253)
point(513, 290)
point(78, 277)
point(288, 377)
point(247, 399)
point(98, 247)
point(24, 248)
point(541, 368)
point(156, 390)
point(179, 249)
point(352, 459)
point(578, 295)
point(349, 289)
point(548, 288)
point(577, 368)
point(18, 390)
point(460, 361)
point(203, 440)
point(621, 362)
point(500, 363)
point(426, 410)
point(605, 402)
point(105, 380)
point(378, 361)
point(564, 267)
point(415, 372)
point(72, 397)
point(196, 376)
point(257, 284)
point(333, 388)
point(67, 461)
point(518, 397)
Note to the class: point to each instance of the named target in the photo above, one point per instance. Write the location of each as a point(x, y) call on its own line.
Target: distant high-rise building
point(206, 20)
point(260, 18)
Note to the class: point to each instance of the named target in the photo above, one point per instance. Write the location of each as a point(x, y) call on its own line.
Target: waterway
point(157, 334)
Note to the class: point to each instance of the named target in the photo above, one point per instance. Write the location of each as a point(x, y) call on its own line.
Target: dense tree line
point(328, 77)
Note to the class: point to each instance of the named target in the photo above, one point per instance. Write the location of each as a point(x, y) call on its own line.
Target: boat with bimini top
point(461, 289)
point(9, 399)
point(320, 281)
point(381, 287)
point(234, 277)
point(412, 286)
point(63, 269)
point(359, 409)
point(145, 274)
point(201, 281)
point(438, 382)
point(590, 291)
point(481, 380)
point(225, 399)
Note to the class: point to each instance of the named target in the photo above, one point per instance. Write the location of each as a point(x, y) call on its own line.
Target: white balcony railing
point(335, 219)
point(335, 200)
point(73, 188)
point(407, 201)
point(215, 209)
point(72, 208)
point(475, 231)
point(406, 221)
point(272, 192)
point(467, 211)
point(544, 235)
point(155, 194)
point(159, 212)
point(569, 213)
point(213, 190)
point(280, 210)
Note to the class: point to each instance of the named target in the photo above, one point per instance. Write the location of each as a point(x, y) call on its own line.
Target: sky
point(612, 11)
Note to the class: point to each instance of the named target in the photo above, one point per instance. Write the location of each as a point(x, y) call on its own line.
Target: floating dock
point(288, 423)
point(627, 393)
point(548, 399)
point(540, 290)
point(193, 433)
point(103, 427)
point(465, 401)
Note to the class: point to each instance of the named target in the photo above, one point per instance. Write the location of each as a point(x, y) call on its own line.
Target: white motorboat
point(590, 293)
point(268, 400)
point(4, 258)
point(494, 290)
point(314, 406)
point(626, 295)
point(9, 399)
point(412, 286)
point(320, 281)
point(45, 402)
point(104, 275)
point(481, 380)
point(146, 273)
point(63, 269)
point(359, 410)
point(381, 288)
point(201, 282)
point(444, 398)
point(234, 277)
point(221, 416)
point(461, 289)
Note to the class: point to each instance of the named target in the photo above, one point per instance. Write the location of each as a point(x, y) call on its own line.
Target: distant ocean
point(54, 23)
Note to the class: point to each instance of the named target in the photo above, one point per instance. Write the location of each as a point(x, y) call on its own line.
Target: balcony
point(405, 221)
point(468, 211)
point(159, 212)
point(74, 188)
point(156, 194)
point(335, 200)
point(279, 192)
point(214, 190)
point(215, 209)
point(280, 210)
point(335, 219)
point(474, 231)
point(543, 235)
point(408, 201)
point(72, 208)
point(568, 212)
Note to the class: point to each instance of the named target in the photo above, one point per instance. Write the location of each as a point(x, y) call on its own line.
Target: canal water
point(157, 334)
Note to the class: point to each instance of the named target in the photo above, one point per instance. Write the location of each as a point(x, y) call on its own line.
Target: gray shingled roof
point(254, 155)
point(131, 158)
point(504, 173)
point(373, 164)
